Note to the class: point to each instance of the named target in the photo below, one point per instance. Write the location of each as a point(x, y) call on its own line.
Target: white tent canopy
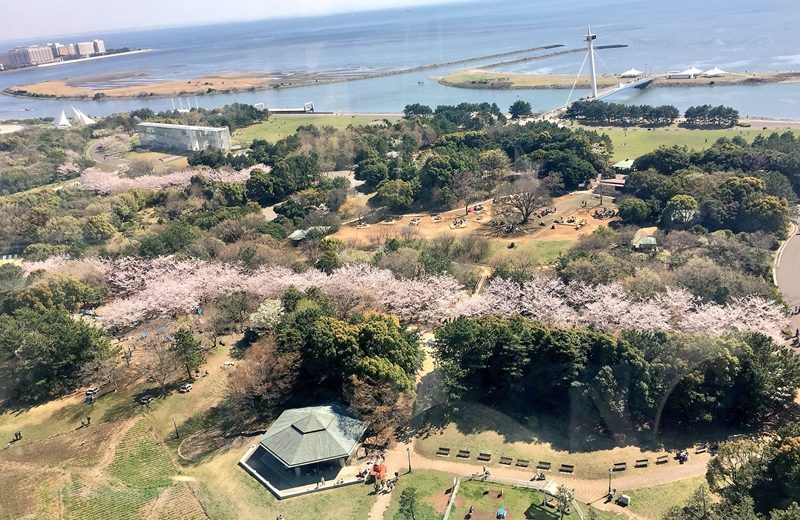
point(716, 71)
point(62, 121)
point(81, 118)
point(693, 71)
point(631, 73)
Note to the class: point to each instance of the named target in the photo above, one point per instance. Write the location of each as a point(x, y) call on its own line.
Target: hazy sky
point(28, 19)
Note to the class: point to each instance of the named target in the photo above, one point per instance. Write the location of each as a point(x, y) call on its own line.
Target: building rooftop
point(627, 164)
point(302, 436)
point(182, 127)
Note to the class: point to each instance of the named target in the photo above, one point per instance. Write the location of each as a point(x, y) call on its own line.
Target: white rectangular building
point(84, 48)
point(183, 138)
point(99, 47)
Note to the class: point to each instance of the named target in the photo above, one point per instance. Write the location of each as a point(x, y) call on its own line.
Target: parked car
point(185, 388)
point(146, 399)
point(227, 364)
point(92, 390)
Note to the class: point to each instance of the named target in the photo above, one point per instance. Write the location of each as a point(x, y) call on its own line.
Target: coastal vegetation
point(246, 275)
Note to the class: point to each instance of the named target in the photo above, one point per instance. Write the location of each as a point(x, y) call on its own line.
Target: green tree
point(520, 109)
point(635, 211)
point(681, 209)
point(260, 187)
point(372, 171)
point(409, 504)
point(188, 351)
point(397, 194)
point(564, 497)
point(98, 229)
point(737, 467)
point(328, 262)
point(46, 350)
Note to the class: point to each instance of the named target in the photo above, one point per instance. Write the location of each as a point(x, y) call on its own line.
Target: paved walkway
point(787, 273)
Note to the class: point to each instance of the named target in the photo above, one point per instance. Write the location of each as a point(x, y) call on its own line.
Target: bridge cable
point(585, 57)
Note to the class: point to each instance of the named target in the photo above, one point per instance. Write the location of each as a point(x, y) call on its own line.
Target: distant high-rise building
point(61, 50)
point(99, 47)
point(84, 48)
point(27, 56)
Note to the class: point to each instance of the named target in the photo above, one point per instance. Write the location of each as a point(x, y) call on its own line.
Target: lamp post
point(408, 451)
point(609, 481)
point(177, 436)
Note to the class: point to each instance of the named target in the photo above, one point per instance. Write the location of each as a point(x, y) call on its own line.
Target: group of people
point(683, 456)
point(796, 338)
point(604, 213)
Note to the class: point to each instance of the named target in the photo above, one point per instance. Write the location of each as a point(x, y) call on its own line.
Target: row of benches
point(543, 464)
point(506, 461)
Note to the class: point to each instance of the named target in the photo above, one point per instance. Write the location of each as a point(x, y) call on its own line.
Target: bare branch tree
point(524, 196)
point(464, 186)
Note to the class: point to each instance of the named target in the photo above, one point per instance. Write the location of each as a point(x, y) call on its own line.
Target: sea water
point(735, 35)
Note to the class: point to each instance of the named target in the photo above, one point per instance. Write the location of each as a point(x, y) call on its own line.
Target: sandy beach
point(479, 78)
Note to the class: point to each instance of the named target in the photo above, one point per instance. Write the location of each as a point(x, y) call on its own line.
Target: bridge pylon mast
point(590, 38)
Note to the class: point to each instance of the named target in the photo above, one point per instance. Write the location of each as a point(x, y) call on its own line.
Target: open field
point(539, 229)
point(489, 79)
point(280, 126)
point(172, 162)
point(655, 501)
point(630, 143)
point(478, 78)
point(478, 428)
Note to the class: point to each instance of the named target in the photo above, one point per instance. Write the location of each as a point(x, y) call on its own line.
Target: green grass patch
point(427, 483)
point(228, 492)
point(140, 462)
point(541, 252)
point(634, 142)
point(280, 126)
point(104, 502)
point(654, 502)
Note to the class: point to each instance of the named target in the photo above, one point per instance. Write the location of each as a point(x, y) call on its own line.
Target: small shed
point(645, 243)
point(623, 166)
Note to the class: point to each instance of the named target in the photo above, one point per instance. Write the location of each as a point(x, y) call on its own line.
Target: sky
point(40, 18)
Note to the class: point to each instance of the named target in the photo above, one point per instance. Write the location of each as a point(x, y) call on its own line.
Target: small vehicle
point(227, 364)
point(478, 207)
point(146, 399)
point(92, 390)
point(185, 388)
point(415, 222)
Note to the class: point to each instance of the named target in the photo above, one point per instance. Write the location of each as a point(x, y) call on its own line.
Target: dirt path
point(591, 491)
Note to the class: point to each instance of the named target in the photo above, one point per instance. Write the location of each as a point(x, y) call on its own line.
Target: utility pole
point(590, 38)
point(177, 436)
point(408, 451)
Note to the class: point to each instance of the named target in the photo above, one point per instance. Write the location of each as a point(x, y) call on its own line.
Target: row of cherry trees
point(145, 289)
point(107, 183)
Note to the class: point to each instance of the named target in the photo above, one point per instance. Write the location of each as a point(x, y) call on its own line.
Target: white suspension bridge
point(597, 94)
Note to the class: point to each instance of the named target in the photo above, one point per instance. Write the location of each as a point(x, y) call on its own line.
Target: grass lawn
point(430, 486)
point(280, 126)
point(227, 492)
point(541, 252)
point(631, 143)
point(654, 502)
point(478, 428)
point(170, 161)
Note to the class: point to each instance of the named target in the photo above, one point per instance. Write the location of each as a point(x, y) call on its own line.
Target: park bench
point(463, 454)
point(543, 464)
point(700, 450)
point(662, 459)
point(642, 463)
point(567, 468)
point(522, 463)
point(484, 457)
point(506, 460)
point(443, 452)
point(620, 466)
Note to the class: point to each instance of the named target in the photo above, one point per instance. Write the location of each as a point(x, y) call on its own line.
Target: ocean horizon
point(734, 35)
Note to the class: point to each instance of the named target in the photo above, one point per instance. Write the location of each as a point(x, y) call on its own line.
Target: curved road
point(787, 273)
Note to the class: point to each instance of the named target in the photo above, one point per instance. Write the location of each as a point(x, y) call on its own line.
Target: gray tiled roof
point(302, 436)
